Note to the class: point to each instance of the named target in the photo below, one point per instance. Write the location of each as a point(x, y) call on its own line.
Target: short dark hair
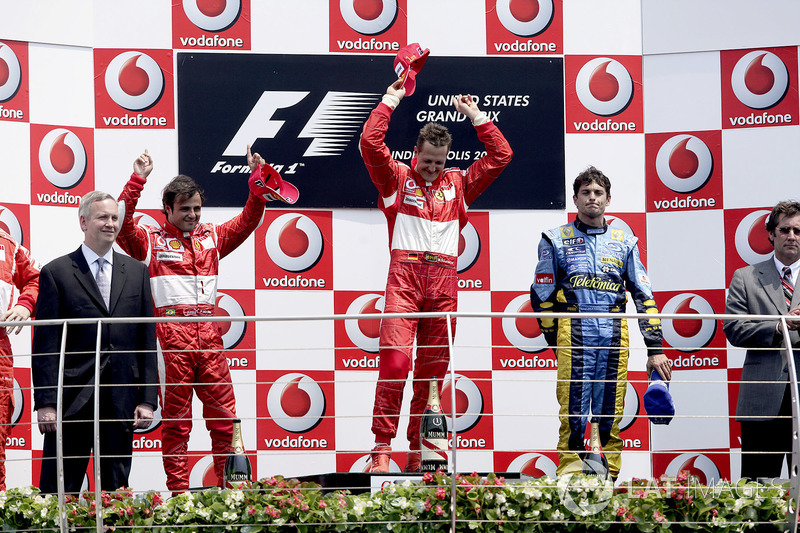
point(591, 175)
point(181, 186)
point(435, 134)
point(788, 208)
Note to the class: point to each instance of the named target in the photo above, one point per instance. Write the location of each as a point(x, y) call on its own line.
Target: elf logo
point(10, 224)
point(684, 163)
point(212, 15)
point(750, 238)
point(688, 335)
point(469, 248)
point(365, 333)
point(696, 464)
point(369, 17)
point(525, 18)
point(62, 158)
point(294, 242)
point(469, 403)
point(10, 73)
point(604, 86)
point(296, 402)
point(134, 81)
point(335, 122)
point(534, 465)
point(760, 79)
point(523, 333)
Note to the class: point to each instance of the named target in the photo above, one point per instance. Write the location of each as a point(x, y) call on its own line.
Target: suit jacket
point(68, 289)
point(757, 290)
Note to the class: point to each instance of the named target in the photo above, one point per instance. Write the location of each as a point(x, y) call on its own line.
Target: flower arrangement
point(490, 504)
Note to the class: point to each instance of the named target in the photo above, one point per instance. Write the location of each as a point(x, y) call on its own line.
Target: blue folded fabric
point(658, 400)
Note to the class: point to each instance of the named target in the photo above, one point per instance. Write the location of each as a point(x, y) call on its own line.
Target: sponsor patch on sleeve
point(545, 278)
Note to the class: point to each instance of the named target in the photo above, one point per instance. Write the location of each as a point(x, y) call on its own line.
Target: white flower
point(511, 512)
point(406, 483)
point(501, 498)
point(558, 515)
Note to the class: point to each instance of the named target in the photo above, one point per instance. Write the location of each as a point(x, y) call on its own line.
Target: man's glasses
point(785, 230)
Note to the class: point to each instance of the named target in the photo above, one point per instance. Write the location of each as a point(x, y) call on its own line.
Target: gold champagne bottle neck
point(237, 444)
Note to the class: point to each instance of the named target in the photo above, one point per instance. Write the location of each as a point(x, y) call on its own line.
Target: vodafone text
point(238, 362)
point(58, 198)
point(135, 120)
point(529, 362)
point(11, 113)
point(143, 443)
point(765, 118)
point(364, 362)
point(525, 46)
point(693, 361)
point(298, 281)
point(608, 125)
point(204, 41)
point(467, 443)
point(470, 284)
point(682, 203)
point(15, 442)
point(371, 44)
point(300, 442)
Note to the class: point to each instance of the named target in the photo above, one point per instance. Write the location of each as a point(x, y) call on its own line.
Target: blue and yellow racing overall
point(588, 269)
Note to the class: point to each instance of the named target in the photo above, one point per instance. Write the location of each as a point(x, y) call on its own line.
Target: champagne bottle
point(237, 465)
point(433, 434)
point(595, 462)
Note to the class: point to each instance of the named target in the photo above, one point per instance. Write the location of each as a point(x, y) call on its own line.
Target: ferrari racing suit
point(425, 222)
point(183, 270)
point(588, 269)
point(17, 271)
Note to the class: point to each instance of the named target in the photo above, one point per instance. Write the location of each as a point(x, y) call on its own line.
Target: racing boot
point(379, 458)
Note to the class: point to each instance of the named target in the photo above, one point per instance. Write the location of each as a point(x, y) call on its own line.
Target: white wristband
point(480, 118)
point(390, 100)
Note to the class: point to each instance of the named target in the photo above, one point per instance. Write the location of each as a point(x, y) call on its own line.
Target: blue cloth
point(658, 400)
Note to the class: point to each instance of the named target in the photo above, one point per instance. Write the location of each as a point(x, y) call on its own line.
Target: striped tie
point(788, 286)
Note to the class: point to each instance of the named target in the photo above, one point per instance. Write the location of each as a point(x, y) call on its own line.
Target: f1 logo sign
point(336, 120)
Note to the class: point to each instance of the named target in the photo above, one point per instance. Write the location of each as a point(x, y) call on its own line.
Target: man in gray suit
point(764, 406)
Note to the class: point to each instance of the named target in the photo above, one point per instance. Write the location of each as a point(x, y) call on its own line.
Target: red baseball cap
point(407, 64)
point(277, 187)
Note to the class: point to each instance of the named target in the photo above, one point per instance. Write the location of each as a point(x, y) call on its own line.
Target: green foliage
point(483, 504)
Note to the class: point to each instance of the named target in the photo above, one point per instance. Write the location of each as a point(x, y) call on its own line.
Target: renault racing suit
point(183, 274)
point(17, 271)
point(425, 222)
point(588, 269)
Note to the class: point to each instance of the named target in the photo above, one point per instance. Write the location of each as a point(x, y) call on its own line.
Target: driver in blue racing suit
point(587, 266)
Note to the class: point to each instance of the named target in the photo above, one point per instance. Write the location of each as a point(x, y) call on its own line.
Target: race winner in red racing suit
point(587, 268)
point(18, 271)
point(426, 207)
point(183, 260)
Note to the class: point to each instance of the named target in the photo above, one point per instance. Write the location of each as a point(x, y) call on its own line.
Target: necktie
point(103, 280)
point(788, 286)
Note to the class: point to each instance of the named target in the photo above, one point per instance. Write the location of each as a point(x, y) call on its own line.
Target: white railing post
point(794, 477)
point(98, 504)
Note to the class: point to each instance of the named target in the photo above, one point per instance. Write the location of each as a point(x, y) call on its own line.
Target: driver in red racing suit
point(426, 207)
point(183, 260)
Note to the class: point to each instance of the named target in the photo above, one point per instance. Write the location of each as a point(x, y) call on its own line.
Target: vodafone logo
point(631, 409)
point(618, 223)
point(369, 17)
point(10, 224)
point(10, 73)
point(365, 333)
point(469, 248)
point(469, 403)
point(202, 473)
point(696, 464)
point(693, 334)
point(232, 332)
point(525, 18)
point(19, 404)
point(684, 163)
point(750, 239)
point(760, 79)
point(212, 15)
point(143, 219)
point(294, 242)
point(523, 333)
point(62, 158)
point(604, 86)
point(134, 81)
point(296, 402)
point(534, 465)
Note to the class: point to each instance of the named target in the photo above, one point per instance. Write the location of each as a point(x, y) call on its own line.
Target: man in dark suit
point(94, 282)
point(764, 406)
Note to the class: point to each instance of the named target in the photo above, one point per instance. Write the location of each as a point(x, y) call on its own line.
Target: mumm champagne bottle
point(433, 434)
point(237, 465)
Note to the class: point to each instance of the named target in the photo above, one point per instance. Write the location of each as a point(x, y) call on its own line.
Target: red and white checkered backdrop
point(690, 107)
